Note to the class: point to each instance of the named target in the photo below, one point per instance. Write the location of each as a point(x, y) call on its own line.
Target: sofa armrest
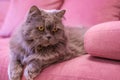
point(103, 40)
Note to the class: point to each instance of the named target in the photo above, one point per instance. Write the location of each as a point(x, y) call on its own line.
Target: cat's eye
point(41, 28)
point(55, 29)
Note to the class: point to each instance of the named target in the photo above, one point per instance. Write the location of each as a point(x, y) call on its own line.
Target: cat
point(41, 41)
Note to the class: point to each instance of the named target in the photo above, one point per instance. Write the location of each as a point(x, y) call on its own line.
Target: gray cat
point(41, 41)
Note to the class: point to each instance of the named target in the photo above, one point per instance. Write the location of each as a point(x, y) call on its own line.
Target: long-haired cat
point(42, 40)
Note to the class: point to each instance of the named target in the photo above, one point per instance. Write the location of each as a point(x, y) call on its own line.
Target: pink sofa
point(102, 41)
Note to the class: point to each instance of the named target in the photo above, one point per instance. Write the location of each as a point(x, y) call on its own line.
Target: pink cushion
point(81, 68)
point(90, 12)
point(4, 51)
point(3, 10)
point(18, 9)
point(103, 40)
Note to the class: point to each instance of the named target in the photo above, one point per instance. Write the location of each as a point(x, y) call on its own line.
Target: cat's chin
point(48, 44)
point(45, 44)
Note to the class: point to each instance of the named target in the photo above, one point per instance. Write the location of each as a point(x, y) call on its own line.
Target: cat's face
point(44, 28)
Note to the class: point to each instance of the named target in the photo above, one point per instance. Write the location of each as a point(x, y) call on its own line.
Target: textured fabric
point(80, 68)
point(4, 51)
point(77, 13)
point(83, 68)
point(90, 12)
point(3, 10)
point(103, 40)
point(18, 10)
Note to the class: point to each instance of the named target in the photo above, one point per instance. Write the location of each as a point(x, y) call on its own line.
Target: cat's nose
point(48, 37)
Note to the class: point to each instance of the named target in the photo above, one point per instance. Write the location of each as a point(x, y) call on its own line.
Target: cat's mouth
point(45, 46)
point(48, 43)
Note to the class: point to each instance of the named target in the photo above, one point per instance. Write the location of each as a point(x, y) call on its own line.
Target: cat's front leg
point(15, 70)
point(32, 69)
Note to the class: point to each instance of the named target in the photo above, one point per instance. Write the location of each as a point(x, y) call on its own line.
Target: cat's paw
point(14, 75)
point(31, 72)
point(15, 78)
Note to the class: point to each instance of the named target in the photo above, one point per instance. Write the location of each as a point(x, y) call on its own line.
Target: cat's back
point(75, 33)
point(76, 39)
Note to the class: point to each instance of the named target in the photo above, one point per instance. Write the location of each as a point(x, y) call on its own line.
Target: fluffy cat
point(42, 40)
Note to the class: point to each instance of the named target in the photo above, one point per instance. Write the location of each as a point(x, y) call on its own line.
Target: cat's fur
point(33, 49)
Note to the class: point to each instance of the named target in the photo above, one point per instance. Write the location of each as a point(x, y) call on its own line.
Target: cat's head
point(44, 27)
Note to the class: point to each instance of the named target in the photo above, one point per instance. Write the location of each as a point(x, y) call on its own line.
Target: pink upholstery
point(18, 11)
point(3, 10)
point(90, 12)
point(4, 58)
point(79, 12)
point(81, 68)
point(103, 40)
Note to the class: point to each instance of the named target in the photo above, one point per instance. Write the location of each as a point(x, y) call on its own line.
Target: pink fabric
point(3, 10)
point(90, 12)
point(79, 12)
point(4, 58)
point(103, 40)
point(80, 68)
point(18, 10)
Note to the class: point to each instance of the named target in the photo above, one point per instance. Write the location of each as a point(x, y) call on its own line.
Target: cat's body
point(74, 47)
point(41, 41)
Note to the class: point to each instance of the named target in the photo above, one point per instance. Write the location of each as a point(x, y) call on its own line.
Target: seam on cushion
point(105, 30)
point(75, 77)
point(93, 53)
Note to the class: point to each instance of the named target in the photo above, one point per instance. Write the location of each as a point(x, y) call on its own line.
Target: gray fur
point(37, 49)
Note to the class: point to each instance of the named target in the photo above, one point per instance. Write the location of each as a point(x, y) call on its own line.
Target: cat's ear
point(33, 12)
point(34, 9)
point(60, 13)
